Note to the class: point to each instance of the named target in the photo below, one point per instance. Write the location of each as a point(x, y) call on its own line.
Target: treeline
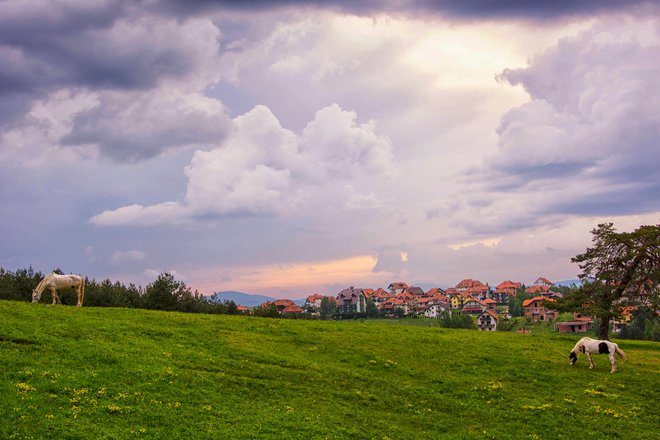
point(165, 293)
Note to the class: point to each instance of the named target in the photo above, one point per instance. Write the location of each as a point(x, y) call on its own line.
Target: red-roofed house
point(490, 303)
point(282, 304)
point(380, 296)
point(416, 291)
point(398, 287)
point(314, 301)
point(537, 311)
point(468, 283)
point(504, 290)
point(573, 326)
point(243, 310)
point(351, 301)
point(541, 281)
point(436, 309)
point(474, 305)
point(536, 289)
point(487, 321)
point(291, 310)
point(435, 291)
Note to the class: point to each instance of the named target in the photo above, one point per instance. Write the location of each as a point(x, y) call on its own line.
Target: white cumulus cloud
point(264, 169)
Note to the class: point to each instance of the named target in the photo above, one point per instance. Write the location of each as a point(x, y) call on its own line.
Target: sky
point(287, 148)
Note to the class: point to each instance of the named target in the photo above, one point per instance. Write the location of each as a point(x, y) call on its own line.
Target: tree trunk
point(604, 329)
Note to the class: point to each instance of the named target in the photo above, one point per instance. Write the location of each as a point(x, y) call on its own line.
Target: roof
point(284, 302)
point(469, 283)
point(491, 313)
point(543, 280)
point(315, 297)
point(508, 284)
point(536, 289)
point(292, 309)
point(398, 285)
point(535, 299)
point(573, 322)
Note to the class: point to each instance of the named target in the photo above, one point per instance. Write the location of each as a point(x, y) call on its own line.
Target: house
point(282, 304)
point(435, 310)
point(504, 290)
point(490, 303)
point(244, 310)
point(474, 305)
point(416, 291)
point(626, 317)
point(487, 321)
point(435, 291)
point(314, 301)
point(380, 296)
point(458, 299)
point(537, 311)
point(541, 281)
point(350, 301)
point(398, 287)
point(474, 288)
point(537, 290)
point(573, 326)
point(291, 310)
point(393, 304)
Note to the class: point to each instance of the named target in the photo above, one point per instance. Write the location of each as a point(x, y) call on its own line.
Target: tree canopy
point(621, 269)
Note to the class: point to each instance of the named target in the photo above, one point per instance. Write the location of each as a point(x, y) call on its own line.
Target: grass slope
point(120, 373)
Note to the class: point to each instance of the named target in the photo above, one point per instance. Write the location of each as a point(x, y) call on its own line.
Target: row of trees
point(165, 293)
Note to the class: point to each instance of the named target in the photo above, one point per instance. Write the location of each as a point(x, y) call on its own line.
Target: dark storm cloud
point(131, 127)
point(112, 45)
point(467, 9)
point(38, 48)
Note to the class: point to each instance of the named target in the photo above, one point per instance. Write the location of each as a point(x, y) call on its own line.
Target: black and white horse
point(590, 346)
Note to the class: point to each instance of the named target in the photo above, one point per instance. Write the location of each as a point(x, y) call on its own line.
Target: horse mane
point(42, 284)
point(580, 343)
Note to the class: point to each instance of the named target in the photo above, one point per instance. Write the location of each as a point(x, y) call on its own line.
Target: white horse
point(54, 281)
point(590, 346)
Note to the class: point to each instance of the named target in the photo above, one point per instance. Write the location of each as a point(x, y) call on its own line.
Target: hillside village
point(487, 305)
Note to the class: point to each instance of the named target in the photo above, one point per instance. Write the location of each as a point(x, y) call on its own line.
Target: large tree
point(621, 269)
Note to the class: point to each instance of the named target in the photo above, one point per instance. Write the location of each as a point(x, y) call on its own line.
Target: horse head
point(572, 357)
point(36, 296)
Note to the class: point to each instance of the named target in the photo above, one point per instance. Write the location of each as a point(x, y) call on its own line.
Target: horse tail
point(82, 290)
point(620, 352)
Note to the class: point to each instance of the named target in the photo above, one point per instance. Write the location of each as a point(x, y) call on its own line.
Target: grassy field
point(120, 373)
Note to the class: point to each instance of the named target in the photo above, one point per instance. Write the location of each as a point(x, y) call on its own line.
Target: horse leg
point(79, 295)
point(53, 293)
point(613, 362)
point(591, 362)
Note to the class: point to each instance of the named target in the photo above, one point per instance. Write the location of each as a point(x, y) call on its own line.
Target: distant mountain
point(249, 299)
point(243, 299)
point(569, 283)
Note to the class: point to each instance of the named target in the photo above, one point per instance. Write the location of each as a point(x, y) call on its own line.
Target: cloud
point(130, 256)
point(582, 144)
point(292, 280)
point(138, 215)
point(265, 169)
point(457, 9)
point(104, 46)
point(137, 125)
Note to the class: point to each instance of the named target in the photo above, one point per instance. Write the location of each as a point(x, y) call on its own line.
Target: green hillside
point(124, 373)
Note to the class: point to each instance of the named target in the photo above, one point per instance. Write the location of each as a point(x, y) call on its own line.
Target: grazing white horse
point(590, 346)
point(54, 281)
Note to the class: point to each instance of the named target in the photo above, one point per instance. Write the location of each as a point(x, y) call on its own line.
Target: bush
point(456, 320)
point(645, 324)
